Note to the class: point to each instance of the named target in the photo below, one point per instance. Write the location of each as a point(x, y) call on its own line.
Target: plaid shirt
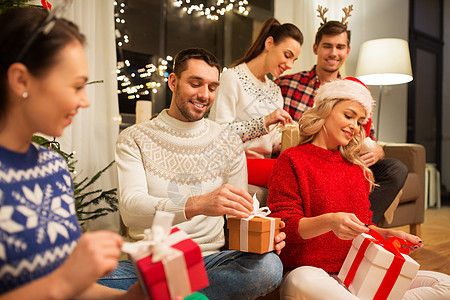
point(298, 91)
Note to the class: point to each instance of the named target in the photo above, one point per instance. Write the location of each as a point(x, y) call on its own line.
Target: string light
point(119, 8)
point(155, 75)
point(210, 10)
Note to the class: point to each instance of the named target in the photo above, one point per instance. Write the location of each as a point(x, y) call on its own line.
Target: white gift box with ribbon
point(256, 233)
point(161, 260)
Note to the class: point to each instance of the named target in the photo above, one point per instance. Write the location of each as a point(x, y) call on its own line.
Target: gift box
point(378, 269)
point(259, 237)
point(254, 234)
point(290, 136)
point(168, 264)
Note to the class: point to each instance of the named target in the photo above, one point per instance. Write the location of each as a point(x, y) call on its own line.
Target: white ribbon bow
point(261, 212)
point(157, 242)
point(258, 211)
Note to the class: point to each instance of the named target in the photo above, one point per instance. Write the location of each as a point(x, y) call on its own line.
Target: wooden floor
point(435, 254)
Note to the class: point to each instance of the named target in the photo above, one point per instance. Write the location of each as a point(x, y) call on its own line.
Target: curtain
point(94, 130)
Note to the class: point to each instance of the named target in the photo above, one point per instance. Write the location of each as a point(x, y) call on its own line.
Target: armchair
point(411, 207)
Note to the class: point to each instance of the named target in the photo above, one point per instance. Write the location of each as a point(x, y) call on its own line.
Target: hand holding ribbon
point(261, 212)
point(394, 244)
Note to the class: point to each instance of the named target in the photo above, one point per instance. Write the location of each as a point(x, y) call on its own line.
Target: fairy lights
point(136, 82)
point(149, 76)
point(212, 9)
point(119, 11)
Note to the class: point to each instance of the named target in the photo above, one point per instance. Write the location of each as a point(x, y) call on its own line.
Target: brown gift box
point(290, 136)
point(258, 234)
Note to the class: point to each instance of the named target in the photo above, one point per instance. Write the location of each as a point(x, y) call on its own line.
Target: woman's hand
point(277, 116)
point(347, 226)
point(95, 255)
point(387, 233)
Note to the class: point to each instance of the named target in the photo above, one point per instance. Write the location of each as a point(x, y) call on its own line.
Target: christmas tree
point(6, 4)
point(84, 199)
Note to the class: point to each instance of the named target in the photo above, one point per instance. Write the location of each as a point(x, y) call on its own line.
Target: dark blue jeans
point(232, 275)
point(390, 174)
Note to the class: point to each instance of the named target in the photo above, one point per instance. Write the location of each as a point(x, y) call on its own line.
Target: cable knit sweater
point(242, 100)
point(164, 161)
point(309, 181)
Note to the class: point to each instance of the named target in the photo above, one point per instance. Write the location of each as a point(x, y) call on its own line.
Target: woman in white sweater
point(248, 99)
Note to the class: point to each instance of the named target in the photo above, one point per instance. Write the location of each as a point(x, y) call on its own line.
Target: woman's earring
point(25, 95)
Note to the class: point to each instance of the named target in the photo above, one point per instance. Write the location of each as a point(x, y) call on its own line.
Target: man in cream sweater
point(180, 162)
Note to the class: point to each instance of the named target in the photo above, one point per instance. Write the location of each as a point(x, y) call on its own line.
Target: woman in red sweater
point(321, 189)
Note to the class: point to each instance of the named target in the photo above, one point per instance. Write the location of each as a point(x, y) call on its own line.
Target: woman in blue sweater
point(43, 255)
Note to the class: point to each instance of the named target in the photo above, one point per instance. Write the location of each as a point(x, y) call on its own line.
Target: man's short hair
point(332, 28)
point(182, 57)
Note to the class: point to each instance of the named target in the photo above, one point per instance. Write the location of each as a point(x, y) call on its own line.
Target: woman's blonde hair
point(313, 120)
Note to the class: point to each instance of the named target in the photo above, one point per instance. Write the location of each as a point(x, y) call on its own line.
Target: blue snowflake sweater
point(38, 223)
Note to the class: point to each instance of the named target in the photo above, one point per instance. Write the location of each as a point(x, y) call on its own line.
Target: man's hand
point(279, 239)
point(135, 292)
point(277, 116)
point(226, 200)
point(370, 156)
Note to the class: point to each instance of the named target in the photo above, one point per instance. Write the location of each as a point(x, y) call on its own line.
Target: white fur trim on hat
point(346, 89)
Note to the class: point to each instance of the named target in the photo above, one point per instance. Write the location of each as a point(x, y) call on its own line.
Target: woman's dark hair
point(332, 28)
point(279, 32)
point(182, 57)
point(18, 26)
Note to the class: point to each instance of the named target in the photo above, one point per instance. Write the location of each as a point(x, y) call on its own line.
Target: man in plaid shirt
point(332, 46)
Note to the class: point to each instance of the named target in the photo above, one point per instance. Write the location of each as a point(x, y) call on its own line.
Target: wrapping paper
point(168, 263)
point(290, 136)
point(378, 269)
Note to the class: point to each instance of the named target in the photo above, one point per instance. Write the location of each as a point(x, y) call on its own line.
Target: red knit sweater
point(309, 181)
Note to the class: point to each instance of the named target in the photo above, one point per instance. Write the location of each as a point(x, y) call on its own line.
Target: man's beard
point(184, 110)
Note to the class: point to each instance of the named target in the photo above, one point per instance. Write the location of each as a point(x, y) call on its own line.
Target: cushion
point(411, 189)
point(259, 171)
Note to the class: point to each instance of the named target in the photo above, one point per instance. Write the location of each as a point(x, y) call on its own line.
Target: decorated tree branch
point(84, 199)
point(6, 4)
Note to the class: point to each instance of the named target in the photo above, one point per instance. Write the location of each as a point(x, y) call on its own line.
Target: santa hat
point(349, 88)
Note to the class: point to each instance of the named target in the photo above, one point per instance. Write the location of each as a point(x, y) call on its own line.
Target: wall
point(445, 169)
point(369, 20)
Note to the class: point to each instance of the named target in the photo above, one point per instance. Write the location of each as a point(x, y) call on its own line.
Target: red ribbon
point(394, 245)
point(46, 4)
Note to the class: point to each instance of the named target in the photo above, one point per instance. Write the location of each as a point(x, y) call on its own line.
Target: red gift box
point(154, 279)
point(168, 264)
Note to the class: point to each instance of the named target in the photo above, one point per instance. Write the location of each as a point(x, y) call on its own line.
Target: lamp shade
point(384, 62)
